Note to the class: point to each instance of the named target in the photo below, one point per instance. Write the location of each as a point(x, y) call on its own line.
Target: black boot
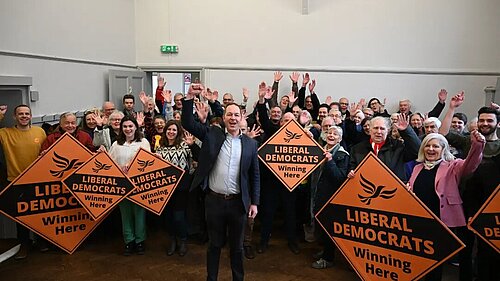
point(182, 248)
point(173, 245)
point(129, 248)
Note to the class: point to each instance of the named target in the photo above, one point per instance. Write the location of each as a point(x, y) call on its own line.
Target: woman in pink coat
point(435, 180)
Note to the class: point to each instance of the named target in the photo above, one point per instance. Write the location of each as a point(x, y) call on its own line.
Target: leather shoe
point(140, 248)
point(182, 248)
point(129, 248)
point(294, 247)
point(171, 248)
point(249, 252)
point(261, 248)
point(23, 252)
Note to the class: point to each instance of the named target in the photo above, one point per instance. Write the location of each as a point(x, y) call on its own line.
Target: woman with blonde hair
point(435, 181)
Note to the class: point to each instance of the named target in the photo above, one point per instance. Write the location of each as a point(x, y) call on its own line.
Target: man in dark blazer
point(228, 171)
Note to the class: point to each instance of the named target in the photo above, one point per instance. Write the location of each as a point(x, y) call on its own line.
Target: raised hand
point(254, 132)
point(140, 119)
point(188, 138)
point(495, 106)
point(161, 82)
point(362, 103)
point(476, 136)
point(277, 76)
point(295, 77)
point(194, 90)
point(144, 98)
point(305, 79)
point(98, 119)
point(352, 108)
point(167, 95)
point(457, 99)
point(262, 91)
point(3, 109)
point(245, 94)
point(402, 122)
point(201, 109)
point(209, 95)
point(311, 86)
point(269, 93)
point(291, 98)
point(328, 100)
point(442, 95)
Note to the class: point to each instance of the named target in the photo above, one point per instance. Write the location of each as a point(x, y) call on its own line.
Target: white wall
point(454, 40)
point(90, 36)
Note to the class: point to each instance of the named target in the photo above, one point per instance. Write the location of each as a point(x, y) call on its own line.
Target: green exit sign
point(169, 49)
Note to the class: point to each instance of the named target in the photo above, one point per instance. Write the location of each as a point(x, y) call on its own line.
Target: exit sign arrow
point(169, 49)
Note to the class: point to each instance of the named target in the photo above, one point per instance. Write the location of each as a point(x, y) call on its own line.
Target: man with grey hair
point(391, 152)
point(431, 125)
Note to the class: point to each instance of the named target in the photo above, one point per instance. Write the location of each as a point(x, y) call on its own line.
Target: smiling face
point(322, 113)
point(159, 125)
point(309, 103)
point(416, 121)
point(487, 124)
point(22, 117)
point(90, 120)
point(68, 123)
point(232, 118)
point(275, 114)
point(171, 133)
point(129, 128)
point(378, 130)
point(358, 117)
point(284, 101)
point(457, 125)
point(333, 137)
point(433, 150)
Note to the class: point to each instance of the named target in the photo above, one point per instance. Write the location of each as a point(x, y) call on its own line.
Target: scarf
point(429, 165)
point(376, 146)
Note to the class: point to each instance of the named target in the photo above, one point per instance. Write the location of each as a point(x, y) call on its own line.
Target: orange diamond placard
point(38, 200)
point(486, 222)
point(383, 229)
point(99, 185)
point(291, 154)
point(155, 179)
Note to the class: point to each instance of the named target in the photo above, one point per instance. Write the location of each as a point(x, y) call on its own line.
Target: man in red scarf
point(394, 153)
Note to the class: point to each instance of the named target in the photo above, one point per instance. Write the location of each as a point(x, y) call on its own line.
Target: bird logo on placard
point(144, 164)
point(65, 164)
point(100, 166)
point(374, 191)
point(290, 136)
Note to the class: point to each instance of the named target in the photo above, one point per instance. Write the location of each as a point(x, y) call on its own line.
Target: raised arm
point(438, 108)
point(455, 102)
point(197, 129)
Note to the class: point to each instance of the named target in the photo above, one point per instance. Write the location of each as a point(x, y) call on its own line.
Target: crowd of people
point(452, 164)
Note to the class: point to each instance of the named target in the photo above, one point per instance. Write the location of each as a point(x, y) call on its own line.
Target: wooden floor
point(102, 259)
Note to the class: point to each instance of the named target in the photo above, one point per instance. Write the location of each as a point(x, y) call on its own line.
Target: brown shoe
point(23, 252)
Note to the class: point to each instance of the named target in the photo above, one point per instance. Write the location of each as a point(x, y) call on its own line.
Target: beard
point(323, 136)
point(487, 130)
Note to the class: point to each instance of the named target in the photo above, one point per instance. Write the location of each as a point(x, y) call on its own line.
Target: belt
point(224, 196)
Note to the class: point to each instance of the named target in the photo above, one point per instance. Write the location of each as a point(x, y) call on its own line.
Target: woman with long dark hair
point(178, 147)
point(123, 150)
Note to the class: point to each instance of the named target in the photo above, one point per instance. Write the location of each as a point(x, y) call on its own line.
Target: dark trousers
point(271, 197)
point(488, 261)
point(328, 247)
point(226, 220)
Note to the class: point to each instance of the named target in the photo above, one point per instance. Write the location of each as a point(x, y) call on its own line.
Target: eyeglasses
point(115, 119)
point(177, 99)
